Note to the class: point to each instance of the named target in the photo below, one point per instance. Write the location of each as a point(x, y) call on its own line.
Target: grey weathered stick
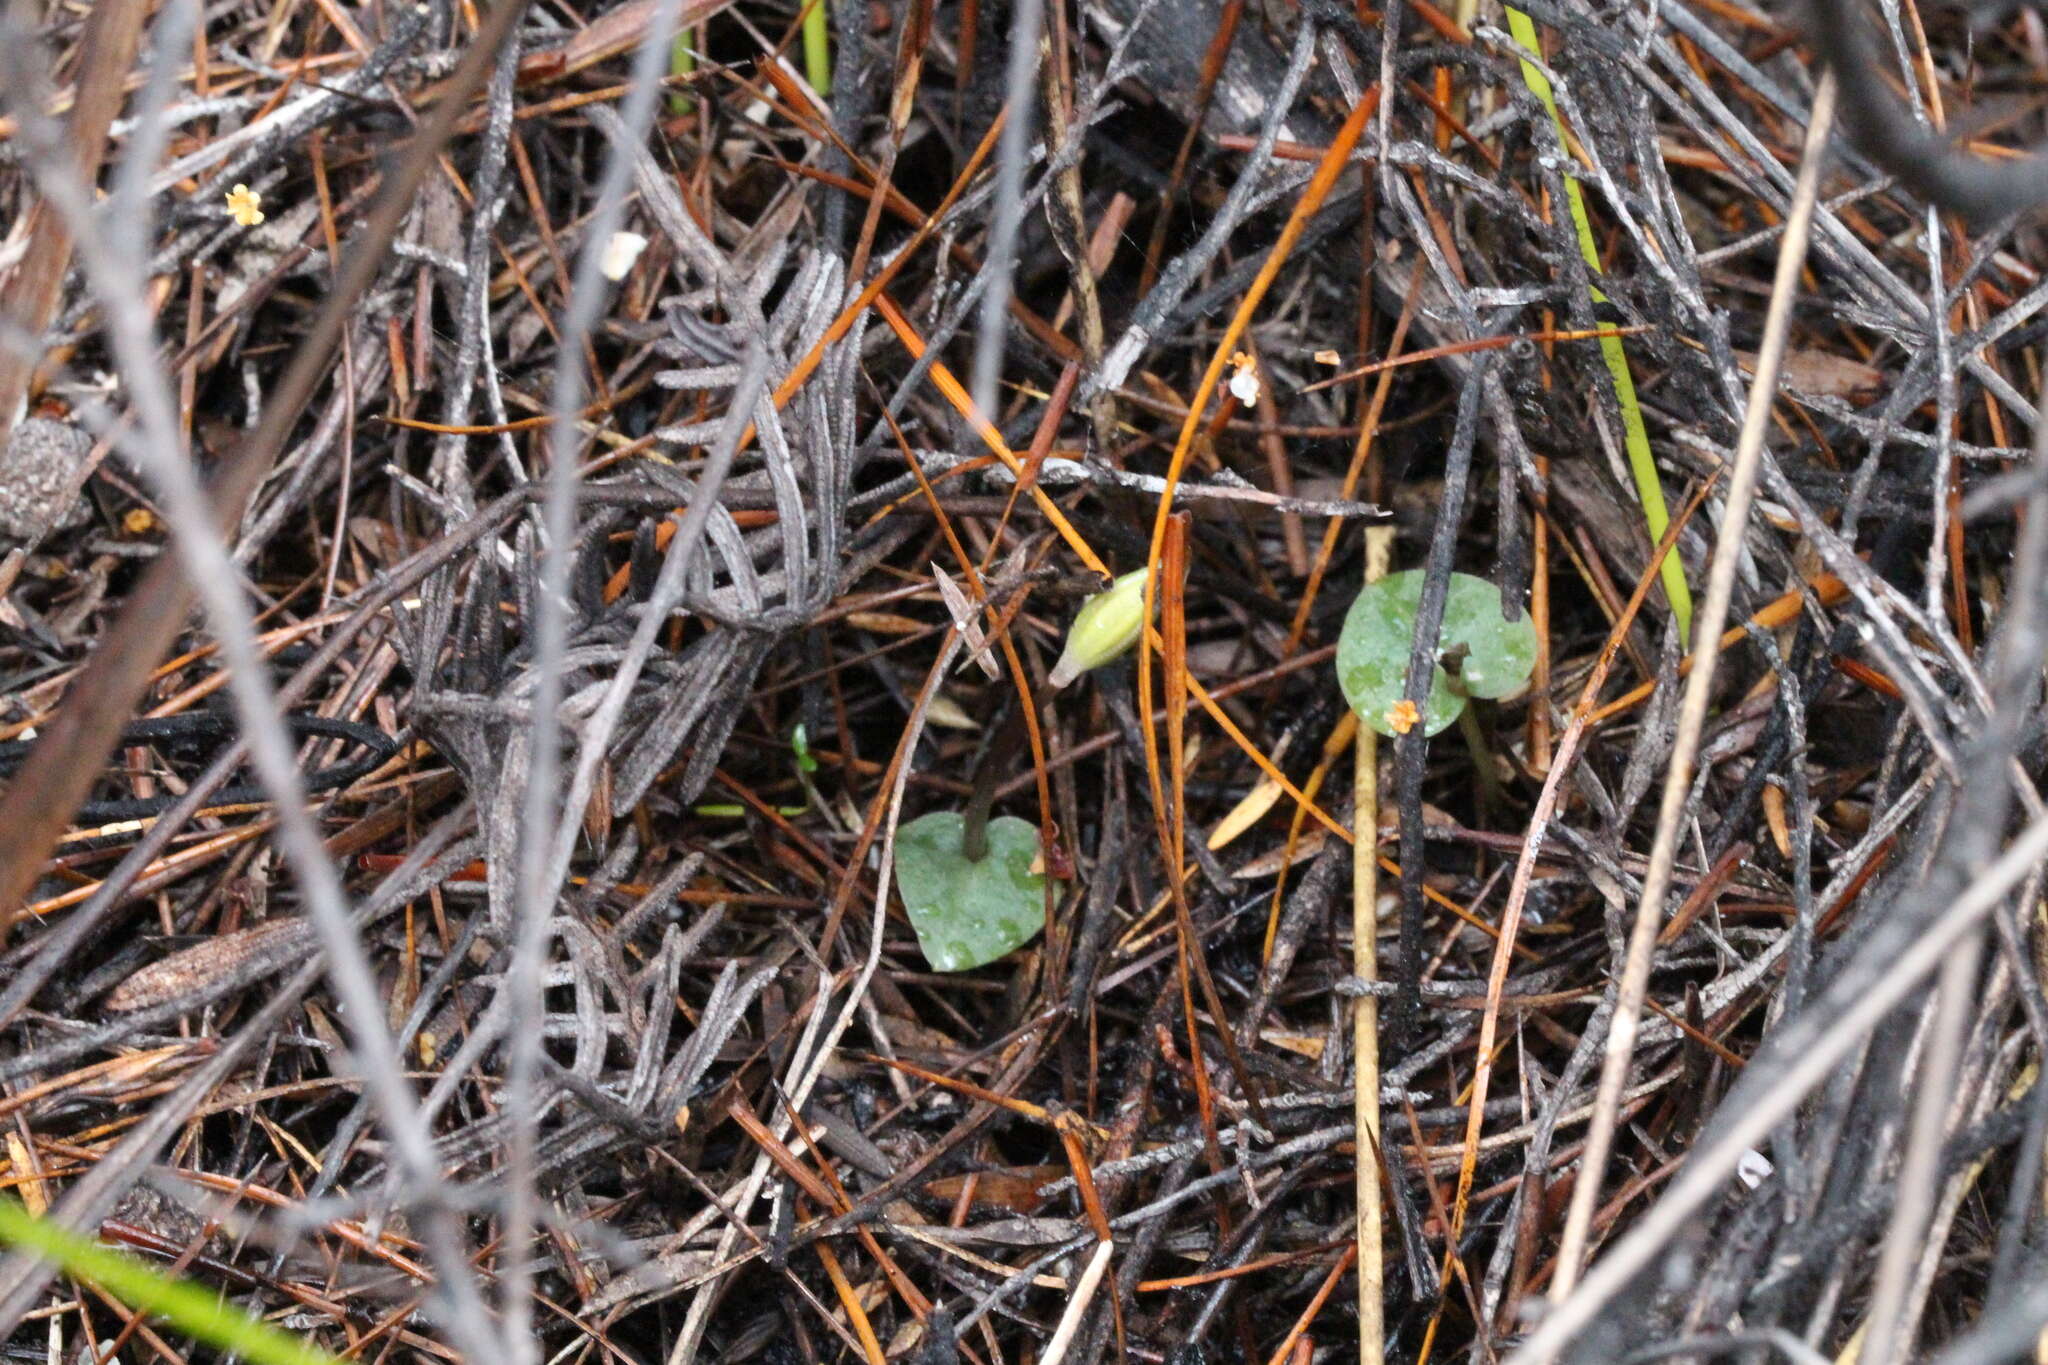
point(1868, 988)
point(547, 835)
point(1025, 22)
point(1713, 617)
point(117, 279)
point(113, 30)
point(61, 768)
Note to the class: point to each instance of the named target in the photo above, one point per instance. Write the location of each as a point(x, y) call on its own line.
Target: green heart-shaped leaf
point(1372, 653)
point(968, 914)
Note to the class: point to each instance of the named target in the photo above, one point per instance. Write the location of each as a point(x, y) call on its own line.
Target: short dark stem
point(1492, 796)
point(974, 832)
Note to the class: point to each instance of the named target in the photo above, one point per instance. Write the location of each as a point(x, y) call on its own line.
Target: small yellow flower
point(1402, 716)
point(245, 206)
point(139, 521)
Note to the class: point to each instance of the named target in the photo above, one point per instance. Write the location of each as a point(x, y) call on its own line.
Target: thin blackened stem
point(974, 834)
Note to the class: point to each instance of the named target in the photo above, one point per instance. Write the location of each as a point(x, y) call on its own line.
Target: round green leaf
point(968, 914)
point(1372, 653)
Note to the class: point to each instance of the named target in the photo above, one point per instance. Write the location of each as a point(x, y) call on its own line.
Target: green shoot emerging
point(1635, 436)
point(186, 1306)
point(817, 47)
point(682, 60)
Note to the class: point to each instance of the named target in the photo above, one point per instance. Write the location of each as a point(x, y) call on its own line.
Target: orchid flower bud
point(1107, 625)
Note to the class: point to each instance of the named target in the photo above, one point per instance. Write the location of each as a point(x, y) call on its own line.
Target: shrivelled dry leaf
point(1822, 373)
point(943, 710)
point(222, 959)
point(1252, 809)
point(1267, 864)
point(886, 623)
point(967, 617)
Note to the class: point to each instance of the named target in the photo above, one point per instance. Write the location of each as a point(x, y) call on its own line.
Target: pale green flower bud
point(1107, 625)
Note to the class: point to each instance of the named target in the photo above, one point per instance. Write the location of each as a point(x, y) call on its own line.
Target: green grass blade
point(191, 1309)
point(817, 47)
point(682, 60)
point(1642, 465)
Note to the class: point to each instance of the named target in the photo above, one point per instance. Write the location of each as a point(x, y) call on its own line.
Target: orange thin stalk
point(870, 1344)
point(990, 437)
point(1451, 348)
point(1319, 186)
point(1825, 587)
point(1233, 1272)
point(1315, 1307)
point(1021, 1108)
point(872, 291)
